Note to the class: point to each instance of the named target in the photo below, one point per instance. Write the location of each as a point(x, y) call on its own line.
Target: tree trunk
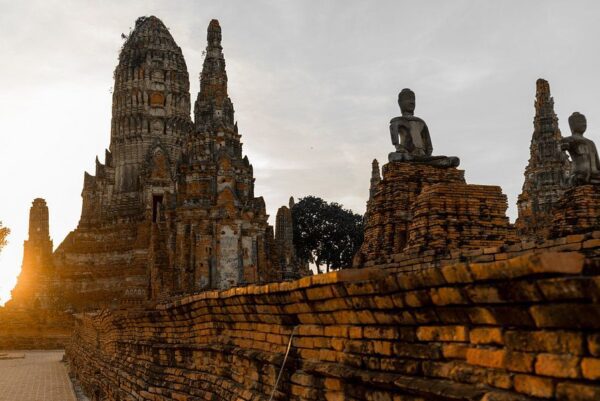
point(318, 263)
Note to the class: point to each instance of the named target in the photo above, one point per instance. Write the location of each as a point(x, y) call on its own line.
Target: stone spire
point(39, 226)
point(546, 171)
point(284, 233)
point(292, 267)
point(213, 107)
point(375, 178)
point(31, 288)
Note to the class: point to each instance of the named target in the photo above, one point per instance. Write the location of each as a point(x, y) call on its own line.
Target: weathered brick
point(590, 368)
point(302, 379)
point(457, 273)
point(443, 333)
point(383, 302)
point(499, 379)
point(519, 361)
point(517, 316)
point(418, 351)
point(566, 391)
point(331, 383)
point(557, 366)
point(447, 296)
point(591, 243)
point(455, 350)
point(561, 289)
point(558, 342)
point(593, 342)
point(534, 386)
point(491, 358)
point(486, 335)
point(566, 316)
point(336, 331)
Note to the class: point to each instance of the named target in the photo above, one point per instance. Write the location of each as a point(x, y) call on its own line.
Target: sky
point(314, 85)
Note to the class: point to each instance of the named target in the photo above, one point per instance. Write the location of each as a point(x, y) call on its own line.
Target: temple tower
point(375, 178)
point(292, 267)
point(32, 285)
point(213, 108)
point(151, 111)
point(546, 171)
point(219, 231)
point(284, 232)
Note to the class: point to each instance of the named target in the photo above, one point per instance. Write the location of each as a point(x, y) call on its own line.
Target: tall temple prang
point(172, 208)
point(546, 172)
point(150, 121)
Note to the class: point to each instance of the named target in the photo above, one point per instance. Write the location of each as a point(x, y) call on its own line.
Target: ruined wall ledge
point(521, 328)
point(530, 264)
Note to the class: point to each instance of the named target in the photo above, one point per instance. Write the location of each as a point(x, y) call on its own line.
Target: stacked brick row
point(451, 216)
point(527, 328)
point(389, 208)
point(578, 211)
point(587, 243)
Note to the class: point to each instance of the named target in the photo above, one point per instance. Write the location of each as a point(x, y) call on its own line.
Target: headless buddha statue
point(585, 168)
point(410, 136)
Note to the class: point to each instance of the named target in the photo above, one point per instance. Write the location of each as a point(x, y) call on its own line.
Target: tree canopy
point(4, 231)
point(326, 233)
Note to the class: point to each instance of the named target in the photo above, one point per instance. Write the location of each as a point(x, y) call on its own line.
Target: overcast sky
point(314, 85)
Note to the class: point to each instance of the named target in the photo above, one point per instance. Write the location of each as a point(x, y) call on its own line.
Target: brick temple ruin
point(172, 209)
point(174, 286)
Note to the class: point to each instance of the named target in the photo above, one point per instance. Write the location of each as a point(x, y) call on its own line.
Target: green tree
point(326, 233)
point(4, 231)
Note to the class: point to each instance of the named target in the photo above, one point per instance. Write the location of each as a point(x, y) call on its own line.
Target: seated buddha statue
point(410, 136)
point(585, 167)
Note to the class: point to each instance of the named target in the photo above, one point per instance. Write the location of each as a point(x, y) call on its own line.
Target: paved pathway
point(39, 376)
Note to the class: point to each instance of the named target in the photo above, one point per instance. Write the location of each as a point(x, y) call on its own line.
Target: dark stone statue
point(410, 136)
point(585, 168)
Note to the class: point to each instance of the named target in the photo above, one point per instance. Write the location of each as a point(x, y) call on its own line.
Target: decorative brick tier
point(578, 211)
point(519, 329)
point(459, 216)
point(389, 210)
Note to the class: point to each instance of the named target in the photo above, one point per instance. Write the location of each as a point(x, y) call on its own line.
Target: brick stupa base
point(578, 211)
point(459, 216)
point(417, 208)
point(389, 210)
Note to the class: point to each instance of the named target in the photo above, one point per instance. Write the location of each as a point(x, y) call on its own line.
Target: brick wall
point(521, 328)
point(34, 329)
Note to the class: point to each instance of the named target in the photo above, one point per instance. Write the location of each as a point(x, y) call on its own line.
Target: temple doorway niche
point(157, 200)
